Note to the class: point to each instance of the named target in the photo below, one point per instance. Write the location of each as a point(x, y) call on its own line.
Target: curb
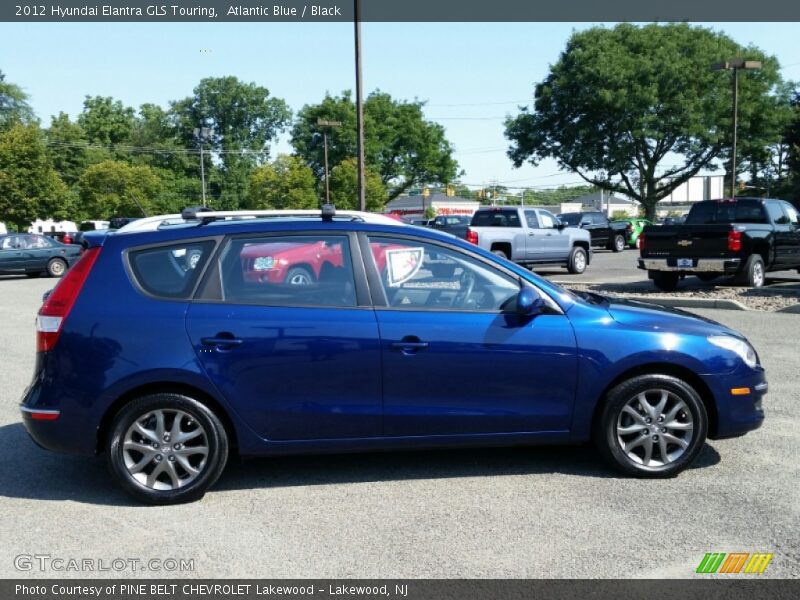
point(795, 309)
point(694, 302)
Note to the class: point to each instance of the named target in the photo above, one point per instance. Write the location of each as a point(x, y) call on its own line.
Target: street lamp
point(359, 107)
point(201, 134)
point(325, 124)
point(735, 65)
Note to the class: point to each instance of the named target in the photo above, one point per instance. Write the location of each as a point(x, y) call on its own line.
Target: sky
point(472, 75)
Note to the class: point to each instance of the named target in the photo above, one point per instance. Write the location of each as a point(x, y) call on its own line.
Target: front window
point(571, 219)
point(421, 276)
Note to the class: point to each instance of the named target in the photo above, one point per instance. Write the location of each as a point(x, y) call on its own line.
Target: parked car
point(605, 233)
point(166, 371)
point(633, 229)
point(65, 237)
point(456, 225)
point(35, 255)
point(745, 237)
point(530, 237)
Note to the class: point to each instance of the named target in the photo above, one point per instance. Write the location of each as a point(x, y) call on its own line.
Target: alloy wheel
point(654, 428)
point(165, 449)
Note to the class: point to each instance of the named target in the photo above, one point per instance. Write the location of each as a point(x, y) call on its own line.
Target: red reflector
point(734, 240)
point(44, 416)
point(472, 237)
point(58, 304)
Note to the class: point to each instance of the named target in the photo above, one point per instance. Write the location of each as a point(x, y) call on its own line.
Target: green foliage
point(286, 183)
point(399, 144)
point(117, 189)
point(344, 187)
point(619, 215)
point(430, 212)
point(558, 195)
point(106, 121)
point(14, 107)
point(621, 101)
point(29, 186)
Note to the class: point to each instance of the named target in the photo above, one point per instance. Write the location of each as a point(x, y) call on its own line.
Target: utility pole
point(201, 135)
point(735, 64)
point(362, 203)
point(324, 123)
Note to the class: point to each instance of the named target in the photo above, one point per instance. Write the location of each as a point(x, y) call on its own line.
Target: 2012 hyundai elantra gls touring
point(169, 350)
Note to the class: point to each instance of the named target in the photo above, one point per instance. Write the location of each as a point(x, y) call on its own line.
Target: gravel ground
point(765, 299)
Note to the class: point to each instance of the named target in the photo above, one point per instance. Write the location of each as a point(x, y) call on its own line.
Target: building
point(700, 187)
point(604, 202)
point(442, 204)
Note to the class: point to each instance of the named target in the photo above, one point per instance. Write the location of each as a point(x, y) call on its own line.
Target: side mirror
point(561, 225)
point(584, 224)
point(529, 302)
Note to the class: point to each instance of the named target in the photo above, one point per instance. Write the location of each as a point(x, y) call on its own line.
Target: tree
point(344, 187)
point(67, 148)
point(399, 144)
point(243, 119)
point(106, 121)
point(286, 183)
point(29, 186)
point(116, 189)
point(638, 110)
point(14, 107)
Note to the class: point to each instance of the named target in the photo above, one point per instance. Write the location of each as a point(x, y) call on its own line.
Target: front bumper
point(697, 265)
point(738, 412)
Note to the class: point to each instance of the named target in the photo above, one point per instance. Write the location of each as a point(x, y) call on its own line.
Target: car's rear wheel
point(56, 267)
point(576, 264)
point(666, 281)
point(618, 243)
point(166, 448)
point(651, 426)
point(300, 276)
point(500, 253)
point(753, 274)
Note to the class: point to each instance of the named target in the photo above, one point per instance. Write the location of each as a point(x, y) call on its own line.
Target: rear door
point(297, 357)
point(557, 241)
point(599, 229)
point(784, 234)
point(793, 240)
point(536, 238)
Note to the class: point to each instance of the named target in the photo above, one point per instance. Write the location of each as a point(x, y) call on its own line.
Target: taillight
point(472, 236)
point(67, 239)
point(734, 240)
point(641, 241)
point(56, 307)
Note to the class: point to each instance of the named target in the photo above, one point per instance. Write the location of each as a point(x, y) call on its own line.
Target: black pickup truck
point(744, 237)
point(605, 233)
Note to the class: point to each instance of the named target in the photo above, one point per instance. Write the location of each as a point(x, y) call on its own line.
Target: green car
point(634, 230)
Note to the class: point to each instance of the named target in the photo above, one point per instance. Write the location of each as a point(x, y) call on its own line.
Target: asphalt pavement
point(522, 512)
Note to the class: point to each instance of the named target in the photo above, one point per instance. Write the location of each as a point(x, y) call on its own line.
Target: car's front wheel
point(651, 426)
point(166, 448)
point(577, 261)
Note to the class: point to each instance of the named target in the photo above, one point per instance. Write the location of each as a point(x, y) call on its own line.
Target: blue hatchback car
point(169, 350)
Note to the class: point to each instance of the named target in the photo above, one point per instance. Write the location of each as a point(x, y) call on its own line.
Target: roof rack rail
point(203, 215)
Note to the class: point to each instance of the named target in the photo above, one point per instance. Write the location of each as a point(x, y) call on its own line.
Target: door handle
point(531, 234)
point(221, 342)
point(409, 345)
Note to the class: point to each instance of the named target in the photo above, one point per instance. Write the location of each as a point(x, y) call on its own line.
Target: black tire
point(300, 276)
point(195, 413)
point(500, 253)
point(56, 267)
point(666, 281)
point(34, 275)
point(707, 276)
point(577, 261)
point(753, 274)
point(618, 243)
point(609, 439)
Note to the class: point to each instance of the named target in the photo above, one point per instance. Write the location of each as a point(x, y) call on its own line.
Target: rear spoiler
point(93, 239)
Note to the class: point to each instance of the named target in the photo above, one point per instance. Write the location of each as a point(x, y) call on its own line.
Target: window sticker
point(402, 264)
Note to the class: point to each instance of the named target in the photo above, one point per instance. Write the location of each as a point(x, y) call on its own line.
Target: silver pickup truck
point(530, 236)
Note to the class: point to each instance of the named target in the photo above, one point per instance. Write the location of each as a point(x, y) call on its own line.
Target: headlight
point(263, 263)
point(738, 346)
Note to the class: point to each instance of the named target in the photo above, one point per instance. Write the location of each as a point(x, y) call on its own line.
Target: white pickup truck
point(530, 236)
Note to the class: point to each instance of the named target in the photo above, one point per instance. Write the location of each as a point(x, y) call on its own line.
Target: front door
point(283, 333)
point(457, 359)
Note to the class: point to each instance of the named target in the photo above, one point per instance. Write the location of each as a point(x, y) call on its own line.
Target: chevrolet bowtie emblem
point(685, 243)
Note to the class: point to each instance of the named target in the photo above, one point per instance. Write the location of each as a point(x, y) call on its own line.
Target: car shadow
point(30, 472)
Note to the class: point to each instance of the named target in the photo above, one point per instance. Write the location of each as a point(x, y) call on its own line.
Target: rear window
point(496, 218)
point(570, 218)
point(741, 211)
point(170, 271)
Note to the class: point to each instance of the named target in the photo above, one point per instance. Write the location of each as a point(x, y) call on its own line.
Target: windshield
point(570, 218)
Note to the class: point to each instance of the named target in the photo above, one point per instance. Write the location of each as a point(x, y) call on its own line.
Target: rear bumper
point(698, 265)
